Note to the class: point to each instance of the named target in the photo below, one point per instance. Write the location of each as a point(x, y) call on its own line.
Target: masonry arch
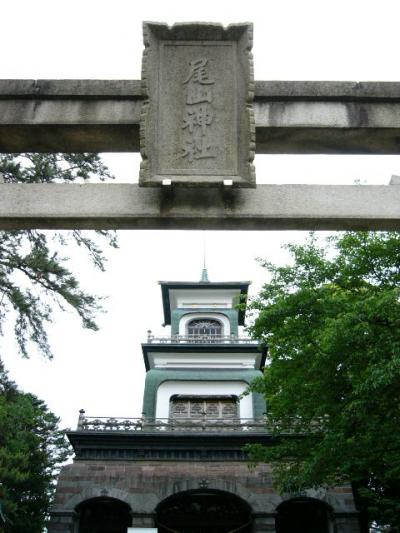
point(203, 511)
point(304, 515)
point(103, 515)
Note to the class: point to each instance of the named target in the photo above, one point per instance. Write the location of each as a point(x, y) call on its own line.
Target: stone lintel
point(264, 90)
point(291, 116)
point(125, 206)
point(70, 89)
point(328, 91)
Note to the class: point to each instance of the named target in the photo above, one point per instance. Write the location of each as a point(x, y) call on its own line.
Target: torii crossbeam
point(290, 117)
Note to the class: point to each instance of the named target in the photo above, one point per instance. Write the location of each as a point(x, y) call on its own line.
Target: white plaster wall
point(226, 329)
point(203, 298)
point(169, 388)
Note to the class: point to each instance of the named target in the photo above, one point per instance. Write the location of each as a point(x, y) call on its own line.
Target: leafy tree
point(32, 448)
point(331, 321)
point(34, 272)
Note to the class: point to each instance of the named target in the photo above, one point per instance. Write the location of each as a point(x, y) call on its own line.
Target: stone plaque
point(197, 124)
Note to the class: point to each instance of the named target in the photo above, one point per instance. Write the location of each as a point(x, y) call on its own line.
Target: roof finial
point(204, 276)
point(204, 273)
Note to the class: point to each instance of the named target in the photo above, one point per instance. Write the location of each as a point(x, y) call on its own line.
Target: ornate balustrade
point(199, 339)
point(294, 426)
point(101, 424)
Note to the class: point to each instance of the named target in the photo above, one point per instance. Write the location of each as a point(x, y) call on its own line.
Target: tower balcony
point(165, 425)
point(199, 339)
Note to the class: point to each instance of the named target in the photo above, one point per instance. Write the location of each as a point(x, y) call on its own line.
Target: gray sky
point(352, 40)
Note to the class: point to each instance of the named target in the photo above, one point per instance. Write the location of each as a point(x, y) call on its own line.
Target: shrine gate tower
point(181, 468)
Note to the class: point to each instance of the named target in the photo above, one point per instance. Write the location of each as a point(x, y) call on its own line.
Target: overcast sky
point(348, 40)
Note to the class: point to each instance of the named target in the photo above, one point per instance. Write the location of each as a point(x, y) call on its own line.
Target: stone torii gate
point(290, 118)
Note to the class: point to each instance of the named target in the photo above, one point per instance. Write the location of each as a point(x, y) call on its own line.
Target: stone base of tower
point(144, 488)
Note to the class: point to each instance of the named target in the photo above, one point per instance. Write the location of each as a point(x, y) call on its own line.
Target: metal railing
point(199, 339)
point(100, 424)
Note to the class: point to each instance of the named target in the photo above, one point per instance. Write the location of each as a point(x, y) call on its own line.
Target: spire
point(204, 273)
point(204, 276)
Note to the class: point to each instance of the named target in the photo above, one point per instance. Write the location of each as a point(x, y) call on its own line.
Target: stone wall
point(143, 485)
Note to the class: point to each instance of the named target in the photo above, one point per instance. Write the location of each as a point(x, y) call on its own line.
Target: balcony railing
point(199, 339)
point(293, 426)
point(101, 424)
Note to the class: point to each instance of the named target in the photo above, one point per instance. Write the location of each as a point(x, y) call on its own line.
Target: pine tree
point(35, 276)
point(32, 449)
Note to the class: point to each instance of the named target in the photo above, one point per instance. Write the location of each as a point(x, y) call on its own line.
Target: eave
point(166, 286)
point(199, 348)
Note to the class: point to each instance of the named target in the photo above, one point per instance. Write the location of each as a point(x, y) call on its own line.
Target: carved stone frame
point(210, 141)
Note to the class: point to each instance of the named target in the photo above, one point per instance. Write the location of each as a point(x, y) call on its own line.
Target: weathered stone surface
point(80, 89)
point(69, 115)
point(143, 485)
point(104, 115)
point(124, 206)
point(197, 123)
point(328, 90)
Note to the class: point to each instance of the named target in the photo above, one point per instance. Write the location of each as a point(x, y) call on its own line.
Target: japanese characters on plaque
point(197, 124)
point(198, 112)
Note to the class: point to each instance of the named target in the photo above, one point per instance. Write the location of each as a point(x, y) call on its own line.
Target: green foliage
point(52, 168)
point(331, 322)
point(32, 448)
point(34, 273)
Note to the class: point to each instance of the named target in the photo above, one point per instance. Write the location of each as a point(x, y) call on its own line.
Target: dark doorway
point(203, 511)
point(302, 515)
point(103, 515)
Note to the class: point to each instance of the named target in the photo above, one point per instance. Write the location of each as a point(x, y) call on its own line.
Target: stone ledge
point(126, 206)
point(264, 89)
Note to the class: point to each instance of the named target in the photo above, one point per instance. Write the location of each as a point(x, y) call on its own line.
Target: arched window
point(203, 327)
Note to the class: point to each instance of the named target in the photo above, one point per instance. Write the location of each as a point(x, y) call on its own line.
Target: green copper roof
point(167, 286)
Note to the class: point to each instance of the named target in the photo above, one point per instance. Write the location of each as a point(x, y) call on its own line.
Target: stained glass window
point(204, 327)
